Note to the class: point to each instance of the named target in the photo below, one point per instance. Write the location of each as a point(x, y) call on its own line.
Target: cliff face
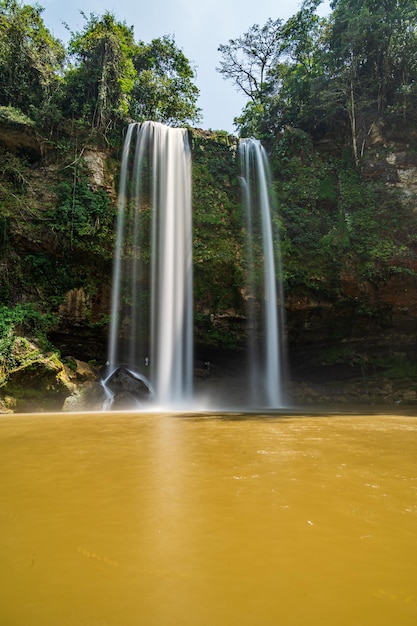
point(57, 226)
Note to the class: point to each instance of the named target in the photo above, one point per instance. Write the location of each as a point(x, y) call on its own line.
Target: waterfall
point(264, 293)
point(151, 332)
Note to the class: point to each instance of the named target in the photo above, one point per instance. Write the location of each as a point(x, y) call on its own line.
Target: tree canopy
point(340, 74)
point(104, 76)
point(31, 59)
point(163, 88)
point(346, 71)
point(247, 59)
point(100, 79)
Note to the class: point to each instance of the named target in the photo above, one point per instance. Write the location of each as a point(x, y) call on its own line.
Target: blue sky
point(198, 28)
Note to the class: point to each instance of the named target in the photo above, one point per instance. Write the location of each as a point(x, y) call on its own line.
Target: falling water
point(151, 314)
point(264, 297)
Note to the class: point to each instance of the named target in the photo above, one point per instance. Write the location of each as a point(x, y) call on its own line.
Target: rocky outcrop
point(355, 317)
point(371, 391)
point(18, 134)
point(88, 396)
point(390, 159)
point(121, 390)
point(80, 307)
point(36, 381)
point(39, 382)
point(97, 162)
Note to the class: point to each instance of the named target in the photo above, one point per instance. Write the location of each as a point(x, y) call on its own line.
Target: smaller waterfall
point(264, 295)
point(151, 316)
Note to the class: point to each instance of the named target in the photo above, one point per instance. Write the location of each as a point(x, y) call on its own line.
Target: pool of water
point(208, 520)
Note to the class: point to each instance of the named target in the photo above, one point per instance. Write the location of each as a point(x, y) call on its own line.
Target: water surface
point(208, 520)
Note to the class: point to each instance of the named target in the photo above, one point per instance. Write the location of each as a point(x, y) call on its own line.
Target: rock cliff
point(349, 320)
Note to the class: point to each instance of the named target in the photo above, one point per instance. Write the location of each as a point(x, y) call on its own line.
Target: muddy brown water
point(208, 520)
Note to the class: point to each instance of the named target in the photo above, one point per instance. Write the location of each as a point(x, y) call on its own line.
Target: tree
point(277, 76)
point(345, 72)
point(292, 80)
point(247, 59)
point(31, 59)
point(372, 60)
point(163, 89)
point(99, 83)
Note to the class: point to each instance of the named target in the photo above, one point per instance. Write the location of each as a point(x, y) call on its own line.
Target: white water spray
point(151, 315)
point(264, 301)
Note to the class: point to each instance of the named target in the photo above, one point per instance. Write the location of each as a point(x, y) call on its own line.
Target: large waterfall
point(151, 333)
point(264, 291)
point(151, 317)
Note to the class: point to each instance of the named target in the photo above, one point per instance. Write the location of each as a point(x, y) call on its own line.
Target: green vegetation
point(83, 216)
point(334, 82)
point(97, 86)
point(99, 82)
point(14, 117)
point(163, 89)
point(331, 98)
point(340, 74)
point(16, 324)
point(397, 367)
point(31, 59)
point(333, 220)
point(217, 245)
point(26, 319)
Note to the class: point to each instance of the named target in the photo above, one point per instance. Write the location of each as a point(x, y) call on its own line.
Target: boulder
point(89, 396)
point(122, 390)
point(37, 382)
point(128, 389)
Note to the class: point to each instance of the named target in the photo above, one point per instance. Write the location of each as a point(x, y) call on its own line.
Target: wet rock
point(128, 389)
point(89, 396)
point(124, 401)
